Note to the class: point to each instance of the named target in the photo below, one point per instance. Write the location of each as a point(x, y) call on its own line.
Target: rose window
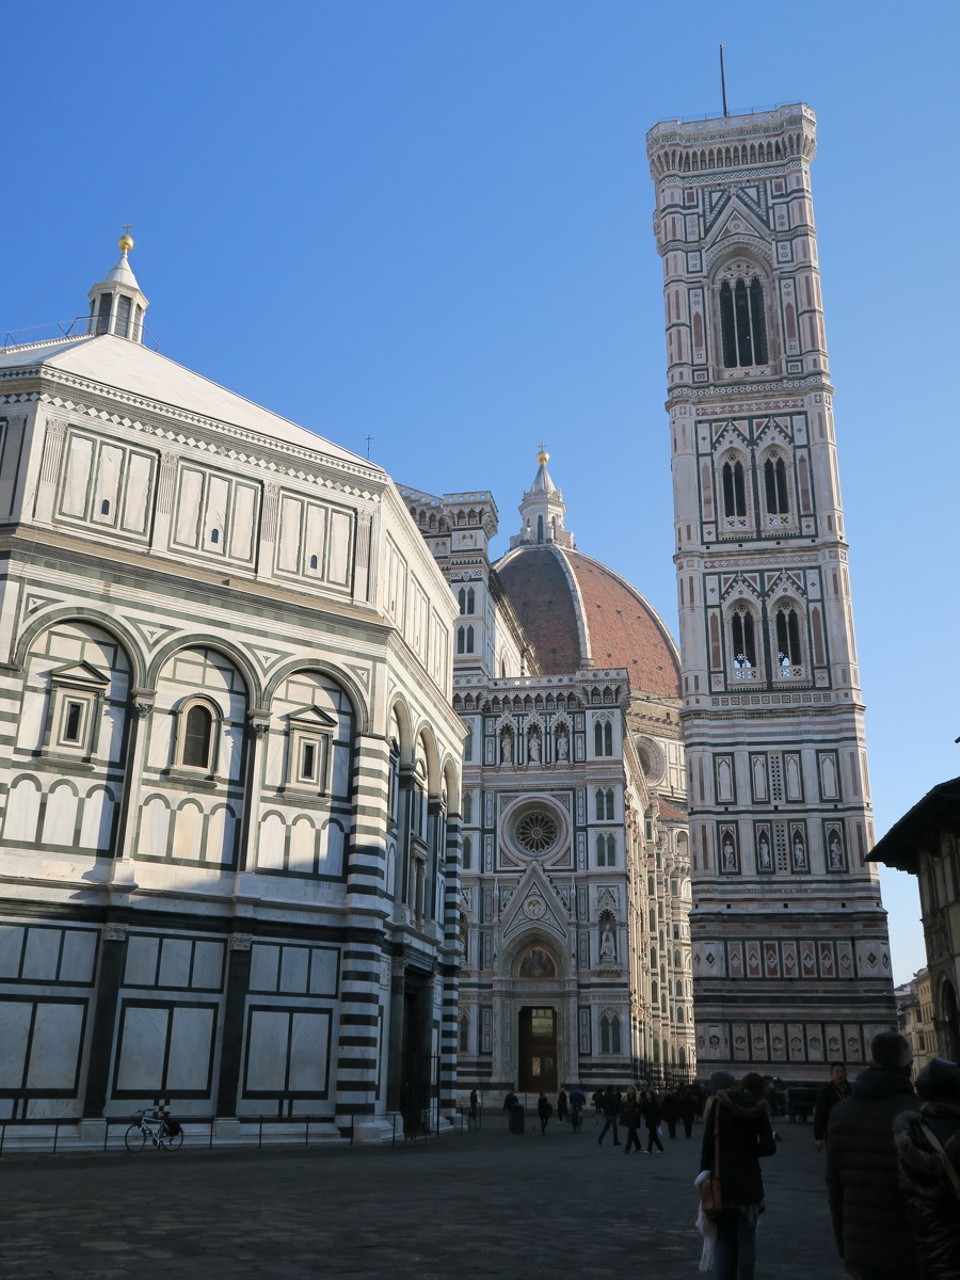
point(537, 832)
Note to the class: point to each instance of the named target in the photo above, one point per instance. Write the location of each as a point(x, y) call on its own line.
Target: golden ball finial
point(125, 243)
point(543, 457)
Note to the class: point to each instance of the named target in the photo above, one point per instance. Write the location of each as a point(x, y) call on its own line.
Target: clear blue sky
point(430, 222)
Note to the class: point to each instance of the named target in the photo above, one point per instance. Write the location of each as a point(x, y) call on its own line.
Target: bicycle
point(165, 1133)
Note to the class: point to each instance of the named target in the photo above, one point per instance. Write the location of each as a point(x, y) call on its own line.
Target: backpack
point(173, 1127)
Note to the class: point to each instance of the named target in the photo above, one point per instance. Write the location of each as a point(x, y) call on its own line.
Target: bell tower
point(791, 956)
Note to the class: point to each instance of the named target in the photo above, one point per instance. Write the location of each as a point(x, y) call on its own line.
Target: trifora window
point(743, 326)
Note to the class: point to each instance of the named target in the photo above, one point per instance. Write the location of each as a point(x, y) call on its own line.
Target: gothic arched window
point(603, 738)
point(734, 490)
point(744, 641)
point(789, 653)
point(743, 326)
point(775, 483)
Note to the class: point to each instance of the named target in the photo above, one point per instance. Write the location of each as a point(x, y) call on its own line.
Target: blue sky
point(430, 222)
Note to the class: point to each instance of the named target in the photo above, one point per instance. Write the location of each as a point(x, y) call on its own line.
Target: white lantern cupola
point(117, 303)
point(542, 511)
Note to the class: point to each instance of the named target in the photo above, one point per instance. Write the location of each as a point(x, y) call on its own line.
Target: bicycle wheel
point(171, 1141)
point(134, 1138)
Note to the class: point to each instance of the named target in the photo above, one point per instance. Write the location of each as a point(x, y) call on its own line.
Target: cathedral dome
point(578, 613)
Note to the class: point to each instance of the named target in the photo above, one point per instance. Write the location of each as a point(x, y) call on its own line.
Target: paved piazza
point(485, 1204)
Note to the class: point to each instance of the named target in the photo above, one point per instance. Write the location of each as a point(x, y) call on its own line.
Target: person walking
point(670, 1110)
point(510, 1104)
point(867, 1206)
point(578, 1100)
point(632, 1113)
point(736, 1134)
point(688, 1110)
point(927, 1143)
point(831, 1093)
point(544, 1111)
point(652, 1114)
point(474, 1109)
point(562, 1107)
point(610, 1106)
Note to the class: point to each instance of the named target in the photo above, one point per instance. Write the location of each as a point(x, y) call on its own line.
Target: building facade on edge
point(576, 875)
point(926, 843)
point(231, 771)
point(790, 950)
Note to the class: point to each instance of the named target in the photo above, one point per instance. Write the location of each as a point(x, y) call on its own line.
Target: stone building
point(575, 885)
point(231, 772)
point(926, 843)
point(915, 1017)
point(790, 950)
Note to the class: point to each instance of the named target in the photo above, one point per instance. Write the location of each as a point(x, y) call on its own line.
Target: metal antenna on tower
point(723, 84)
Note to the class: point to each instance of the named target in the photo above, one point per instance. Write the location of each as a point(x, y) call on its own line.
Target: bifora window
point(734, 490)
point(789, 653)
point(744, 642)
point(743, 327)
point(775, 483)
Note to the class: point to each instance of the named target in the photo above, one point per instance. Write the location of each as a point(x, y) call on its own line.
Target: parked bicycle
point(164, 1132)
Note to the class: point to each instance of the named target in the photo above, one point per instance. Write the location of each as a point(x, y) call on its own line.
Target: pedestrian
point(631, 1113)
point(509, 1102)
point(652, 1115)
point(544, 1111)
point(928, 1148)
point(670, 1110)
point(562, 1107)
point(688, 1110)
point(827, 1099)
point(867, 1206)
point(474, 1109)
point(610, 1106)
point(578, 1100)
point(736, 1133)
point(597, 1100)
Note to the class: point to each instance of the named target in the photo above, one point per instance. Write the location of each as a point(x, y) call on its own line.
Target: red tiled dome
point(579, 613)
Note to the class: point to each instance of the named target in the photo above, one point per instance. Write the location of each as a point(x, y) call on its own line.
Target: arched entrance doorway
point(536, 997)
point(537, 1066)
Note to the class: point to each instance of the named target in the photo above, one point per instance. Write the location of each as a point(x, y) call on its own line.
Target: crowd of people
point(892, 1158)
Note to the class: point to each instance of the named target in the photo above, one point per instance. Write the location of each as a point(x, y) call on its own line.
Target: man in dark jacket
point(827, 1099)
point(866, 1204)
point(610, 1105)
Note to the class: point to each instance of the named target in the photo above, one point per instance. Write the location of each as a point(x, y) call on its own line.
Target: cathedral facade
point(575, 962)
point(790, 950)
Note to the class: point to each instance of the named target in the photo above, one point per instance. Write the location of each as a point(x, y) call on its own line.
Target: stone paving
point(463, 1206)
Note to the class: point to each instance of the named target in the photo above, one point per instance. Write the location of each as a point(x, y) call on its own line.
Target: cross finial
point(368, 439)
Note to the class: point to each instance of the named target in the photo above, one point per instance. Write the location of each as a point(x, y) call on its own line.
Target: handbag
point(711, 1195)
